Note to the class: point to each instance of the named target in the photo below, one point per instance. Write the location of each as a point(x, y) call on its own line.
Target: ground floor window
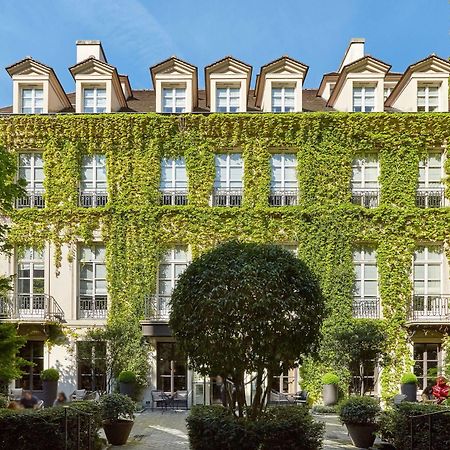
point(91, 358)
point(427, 362)
point(285, 383)
point(33, 351)
point(364, 378)
point(171, 368)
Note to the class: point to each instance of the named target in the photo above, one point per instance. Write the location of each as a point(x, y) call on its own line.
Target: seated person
point(29, 401)
point(441, 389)
point(60, 400)
point(427, 394)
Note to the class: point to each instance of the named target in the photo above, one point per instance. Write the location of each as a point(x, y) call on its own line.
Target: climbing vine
point(137, 230)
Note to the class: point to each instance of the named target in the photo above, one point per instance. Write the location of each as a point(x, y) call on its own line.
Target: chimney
point(355, 50)
point(87, 49)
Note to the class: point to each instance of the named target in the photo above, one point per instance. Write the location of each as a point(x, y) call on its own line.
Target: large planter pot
point(362, 435)
point(410, 390)
point(117, 431)
point(330, 394)
point(127, 389)
point(49, 391)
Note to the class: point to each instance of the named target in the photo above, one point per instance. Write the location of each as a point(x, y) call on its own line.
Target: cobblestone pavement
point(167, 431)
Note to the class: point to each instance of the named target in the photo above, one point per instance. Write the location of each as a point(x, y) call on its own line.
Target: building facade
point(117, 205)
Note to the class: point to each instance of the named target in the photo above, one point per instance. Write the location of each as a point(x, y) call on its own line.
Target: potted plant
point(117, 417)
point(49, 379)
point(127, 383)
point(409, 387)
point(330, 383)
point(360, 414)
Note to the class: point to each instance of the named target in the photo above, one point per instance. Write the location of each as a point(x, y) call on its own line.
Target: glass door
point(171, 368)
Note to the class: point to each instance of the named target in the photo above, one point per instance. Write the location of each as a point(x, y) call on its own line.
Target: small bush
point(321, 409)
point(359, 410)
point(116, 406)
point(50, 375)
point(409, 378)
point(127, 377)
point(3, 401)
point(330, 378)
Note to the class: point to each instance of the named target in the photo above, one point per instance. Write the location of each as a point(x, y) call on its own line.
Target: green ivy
point(137, 231)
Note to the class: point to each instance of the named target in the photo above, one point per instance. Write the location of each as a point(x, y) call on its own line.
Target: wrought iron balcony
point(92, 306)
point(430, 198)
point(157, 308)
point(430, 309)
point(369, 198)
point(227, 197)
point(31, 308)
point(92, 199)
point(174, 198)
point(31, 199)
point(283, 197)
point(366, 308)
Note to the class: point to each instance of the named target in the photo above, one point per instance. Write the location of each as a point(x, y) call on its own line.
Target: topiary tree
point(246, 308)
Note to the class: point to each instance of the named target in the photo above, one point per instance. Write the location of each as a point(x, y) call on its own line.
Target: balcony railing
point(369, 198)
point(430, 308)
point(366, 308)
point(174, 198)
point(92, 306)
point(31, 307)
point(227, 197)
point(157, 307)
point(430, 198)
point(283, 197)
point(31, 199)
point(92, 199)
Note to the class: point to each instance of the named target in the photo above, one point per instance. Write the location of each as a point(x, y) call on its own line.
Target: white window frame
point(173, 166)
point(283, 166)
point(425, 164)
point(283, 98)
point(228, 90)
point(174, 95)
point(427, 96)
point(33, 181)
point(364, 97)
point(34, 109)
point(229, 165)
point(426, 263)
point(36, 259)
point(387, 92)
point(361, 161)
point(362, 262)
point(96, 161)
point(95, 108)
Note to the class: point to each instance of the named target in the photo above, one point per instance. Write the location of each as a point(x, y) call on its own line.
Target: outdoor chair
point(301, 398)
point(180, 400)
point(278, 398)
point(16, 394)
point(160, 399)
point(78, 395)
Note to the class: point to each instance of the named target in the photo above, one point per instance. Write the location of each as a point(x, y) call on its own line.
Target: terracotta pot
point(117, 431)
point(362, 435)
point(330, 394)
point(410, 390)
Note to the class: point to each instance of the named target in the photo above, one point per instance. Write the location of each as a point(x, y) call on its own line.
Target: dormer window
point(283, 99)
point(94, 100)
point(427, 98)
point(363, 98)
point(174, 100)
point(228, 99)
point(32, 100)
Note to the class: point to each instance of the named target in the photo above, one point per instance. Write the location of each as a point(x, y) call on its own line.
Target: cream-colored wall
point(292, 80)
point(228, 79)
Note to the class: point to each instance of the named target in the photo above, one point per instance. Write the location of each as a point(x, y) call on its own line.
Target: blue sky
point(139, 33)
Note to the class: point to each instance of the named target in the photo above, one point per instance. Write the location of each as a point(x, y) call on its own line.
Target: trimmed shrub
point(44, 429)
point(127, 376)
point(3, 401)
point(408, 378)
point(279, 428)
point(359, 410)
point(321, 409)
point(330, 378)
point(50, 375)
point(395, 426)
point(116, 406)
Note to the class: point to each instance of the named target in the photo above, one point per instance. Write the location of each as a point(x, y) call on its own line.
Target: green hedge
point(279, 428)
point(44, 429)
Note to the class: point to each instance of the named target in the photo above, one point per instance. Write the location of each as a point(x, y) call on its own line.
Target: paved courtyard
point(167, 431)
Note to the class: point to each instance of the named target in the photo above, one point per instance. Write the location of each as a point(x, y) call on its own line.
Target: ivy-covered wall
point(136, 230)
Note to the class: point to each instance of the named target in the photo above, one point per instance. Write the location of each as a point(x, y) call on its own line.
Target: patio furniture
point(278, 398)
point(301, 398)
point(78, 395)
point(160, 398)
point(16, 394)
point(180, 400)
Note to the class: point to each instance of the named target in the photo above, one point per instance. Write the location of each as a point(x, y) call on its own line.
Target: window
point(364, 378)
point(228, 99)
point(30, 283)
point(92, 282)
point(172, 266)
point(283, 184)
point(33, 351)
point(91, 359)
point(174, 182)
point(364, 184)
point(94, 100)
point(93, 181)
point(283, 99)
point(31, 169)
point(228, 180)
point(427, 98)
point(427, 363)
point(286, 383)
point(387, 92)
point(32, 100)
point(291, 248)
point(363, 98)
point(171, 368)
point(365, 301)
point(174, 100)
point(430, 192)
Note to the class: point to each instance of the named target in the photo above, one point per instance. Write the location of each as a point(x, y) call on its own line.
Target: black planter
point(117, 431)
point(410, 390)
point(49, 391)
point(362, 435)
point(127, 389)
point(330, 394)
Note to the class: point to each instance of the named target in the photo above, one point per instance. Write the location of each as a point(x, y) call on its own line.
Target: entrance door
point(170, 368)
point(428, 359)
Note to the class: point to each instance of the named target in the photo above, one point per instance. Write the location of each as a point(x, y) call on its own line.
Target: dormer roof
point(365, 64)
point(284, 65)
